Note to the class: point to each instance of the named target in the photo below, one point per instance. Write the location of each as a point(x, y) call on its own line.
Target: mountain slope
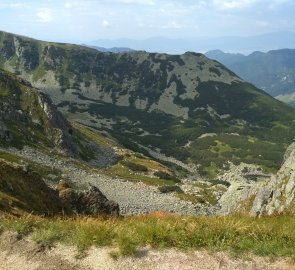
point(273, 71)
point(29, 118)
point(184, 106)
point(23, 191)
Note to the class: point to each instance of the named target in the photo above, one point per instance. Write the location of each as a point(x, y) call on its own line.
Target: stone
point(91, 203)
point(278, 195)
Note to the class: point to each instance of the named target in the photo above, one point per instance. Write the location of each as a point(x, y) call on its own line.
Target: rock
point(278, 195)
point(63, 130)
point(91, 203)
point(261, 200)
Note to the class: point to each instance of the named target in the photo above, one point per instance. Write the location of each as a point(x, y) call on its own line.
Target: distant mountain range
point(273, 71)
point(265, 42)
point(113, 50)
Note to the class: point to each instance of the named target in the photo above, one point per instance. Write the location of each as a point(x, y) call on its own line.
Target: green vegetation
point(134, 167)
point(22, 190)
point(250, 126)
point(118, 170)
point(43, 171)
point(220, 182)
point(95, 136)
point(167, 176)
point(238, 235)
point(273, 71)
point(168, 189)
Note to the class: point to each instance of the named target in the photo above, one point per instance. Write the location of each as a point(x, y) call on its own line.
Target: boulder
point(94, 203)
point(91, 203)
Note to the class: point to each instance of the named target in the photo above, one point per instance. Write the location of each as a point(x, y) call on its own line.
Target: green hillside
point(29, 118)
point(273, 71)
point(184, 106)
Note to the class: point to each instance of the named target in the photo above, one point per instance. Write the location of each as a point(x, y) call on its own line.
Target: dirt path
point(23, 254)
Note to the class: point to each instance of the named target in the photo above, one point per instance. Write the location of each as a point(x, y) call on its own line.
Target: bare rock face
point(278, 195)
point(91, 203)
point(64, 131)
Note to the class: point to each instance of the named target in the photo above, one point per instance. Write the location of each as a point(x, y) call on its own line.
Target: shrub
point(168, 189)
point(166, 176)
point(220, 182)
point(134, 167)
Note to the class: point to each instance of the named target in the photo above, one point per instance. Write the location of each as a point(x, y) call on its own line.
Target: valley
point(169, 151)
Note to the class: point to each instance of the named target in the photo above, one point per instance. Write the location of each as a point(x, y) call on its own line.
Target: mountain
point(185, 109)
point(225, 58)
point(113, 50)
point(29, 118)
point(273, 71)
point(247, 44)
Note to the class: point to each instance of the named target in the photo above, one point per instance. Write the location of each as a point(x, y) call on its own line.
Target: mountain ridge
point(273, 71)
point(244, 44)
point(166, 102)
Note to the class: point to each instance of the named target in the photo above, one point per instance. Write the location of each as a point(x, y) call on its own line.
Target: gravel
point(133, 198)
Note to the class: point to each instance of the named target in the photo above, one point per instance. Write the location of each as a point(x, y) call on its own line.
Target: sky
point(82, 21)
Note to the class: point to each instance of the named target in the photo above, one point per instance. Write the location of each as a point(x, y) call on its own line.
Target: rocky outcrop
point(91, 203)
point(24, 108)
point(29, 116)
point(278, 195)
point(64, 131)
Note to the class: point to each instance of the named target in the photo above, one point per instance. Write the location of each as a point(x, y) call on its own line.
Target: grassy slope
point(272, 236)
point(19, 97)
point(132, 166)
point(22, 190)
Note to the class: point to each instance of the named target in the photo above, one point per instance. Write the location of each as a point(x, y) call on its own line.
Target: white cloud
point(13, 5)
point(132, 2)
point(68, 5)
point(274, 3)
point(105, 24)
point(44, 15)
point(234, 4)
point(173, 25)
point(262, 24)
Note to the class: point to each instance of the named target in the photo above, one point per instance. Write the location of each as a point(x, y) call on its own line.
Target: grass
point(211, 170)
point(10, 157)
point(118, 170)
point(238, 235)
point(94, 135)
point(138, 169)
point(42, 170)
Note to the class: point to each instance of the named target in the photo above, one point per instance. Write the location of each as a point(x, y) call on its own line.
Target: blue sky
point(86, 20)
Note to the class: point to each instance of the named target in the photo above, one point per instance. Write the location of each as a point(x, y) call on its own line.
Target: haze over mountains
point(233, 44)
point(274, 71)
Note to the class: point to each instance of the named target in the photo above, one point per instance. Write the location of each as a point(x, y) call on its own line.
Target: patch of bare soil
point(17, 253)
